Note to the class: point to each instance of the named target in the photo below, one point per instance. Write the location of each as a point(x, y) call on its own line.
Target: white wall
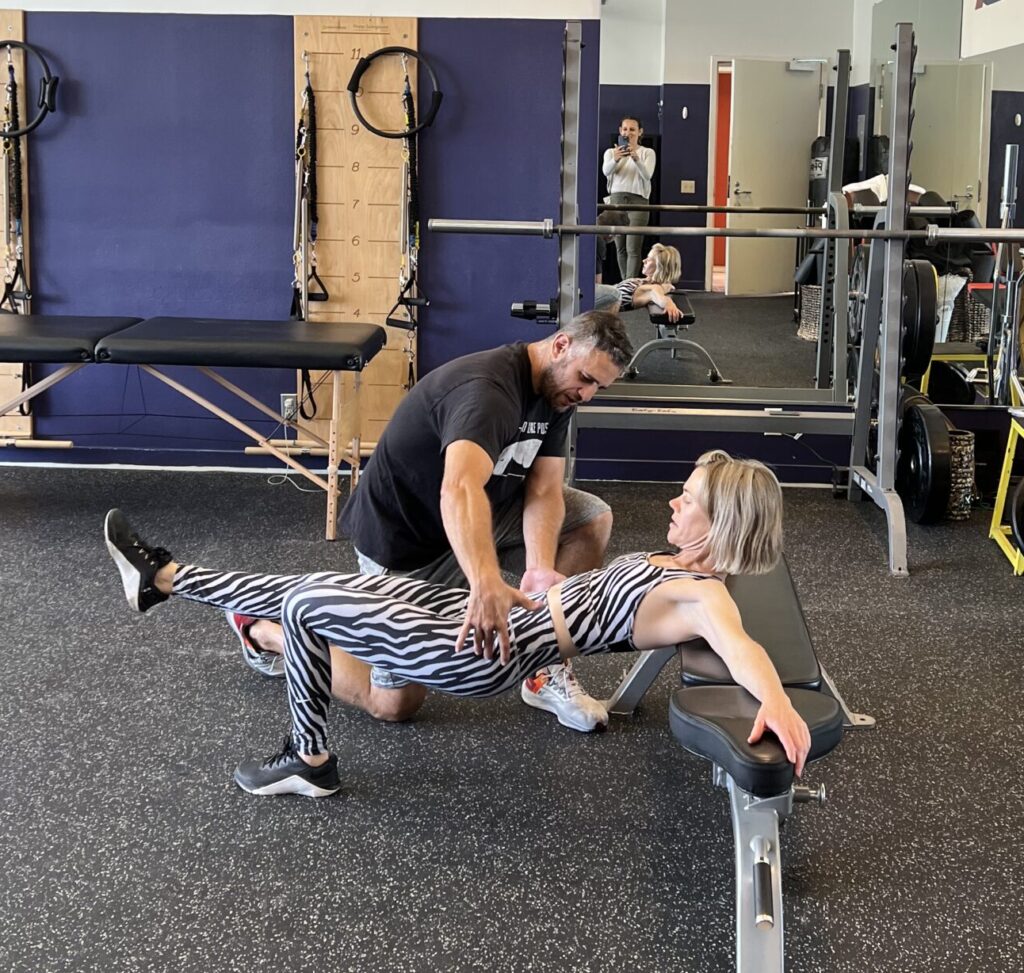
point(532, 9)
point(936, 28)
point(694, 31)
point(991, 27)
point(633, 41)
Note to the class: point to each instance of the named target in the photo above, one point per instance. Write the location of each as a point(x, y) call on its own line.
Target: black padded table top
point(254, 344)
point(658, 316)
point(771, 615)
point(57, 339)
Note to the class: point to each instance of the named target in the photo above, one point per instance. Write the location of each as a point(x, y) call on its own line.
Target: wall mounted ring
point(47, 89)
point(357, 77)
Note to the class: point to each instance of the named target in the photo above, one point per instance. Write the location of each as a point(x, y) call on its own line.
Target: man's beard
point(550, 390)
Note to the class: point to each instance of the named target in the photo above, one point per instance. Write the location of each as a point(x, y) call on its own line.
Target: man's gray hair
point(601, 331)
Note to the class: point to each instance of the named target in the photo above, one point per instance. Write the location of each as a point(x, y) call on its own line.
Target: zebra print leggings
point(406, 626)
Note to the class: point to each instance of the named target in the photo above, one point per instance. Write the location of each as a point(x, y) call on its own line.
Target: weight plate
point(948, 385)
point(924, 468)
point(1017, 515)
point(919, 317)
point(858, 294)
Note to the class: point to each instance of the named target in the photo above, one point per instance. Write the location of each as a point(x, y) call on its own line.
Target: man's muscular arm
point(466, 514)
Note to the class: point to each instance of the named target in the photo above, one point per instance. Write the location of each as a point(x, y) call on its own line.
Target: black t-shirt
point(394, 515)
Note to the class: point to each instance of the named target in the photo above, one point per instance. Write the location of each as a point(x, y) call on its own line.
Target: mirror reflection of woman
point(661, 268)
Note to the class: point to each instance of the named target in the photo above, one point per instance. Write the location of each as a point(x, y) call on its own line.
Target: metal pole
point(547, 228)
point(835, 286)
point(695, 208)
point(568, 244)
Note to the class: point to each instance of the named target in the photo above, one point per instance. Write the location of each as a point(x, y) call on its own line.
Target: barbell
point(548, 229)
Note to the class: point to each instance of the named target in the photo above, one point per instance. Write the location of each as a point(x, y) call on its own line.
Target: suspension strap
point(16, 293)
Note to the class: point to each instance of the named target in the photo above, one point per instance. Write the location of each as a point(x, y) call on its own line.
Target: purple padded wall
point(162, 185)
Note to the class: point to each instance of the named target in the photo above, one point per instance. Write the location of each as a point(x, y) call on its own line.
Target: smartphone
point(623, 141)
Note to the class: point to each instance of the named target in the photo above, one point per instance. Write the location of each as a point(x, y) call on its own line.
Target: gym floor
point(752, 340)
point(483, 836)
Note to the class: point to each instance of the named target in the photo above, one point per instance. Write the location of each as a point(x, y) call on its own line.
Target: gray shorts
point(580, 509)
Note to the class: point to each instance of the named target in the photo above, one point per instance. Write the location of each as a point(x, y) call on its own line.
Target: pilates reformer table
point(206, 343)
point(711, 717)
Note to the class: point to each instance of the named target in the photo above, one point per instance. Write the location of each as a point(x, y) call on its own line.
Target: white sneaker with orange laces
point(556, 690)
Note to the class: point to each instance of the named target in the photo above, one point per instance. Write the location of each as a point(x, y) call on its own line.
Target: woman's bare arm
point(717, 620)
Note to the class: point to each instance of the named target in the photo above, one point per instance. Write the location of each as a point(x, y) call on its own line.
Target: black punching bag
point(817, 185)
point(878, 155)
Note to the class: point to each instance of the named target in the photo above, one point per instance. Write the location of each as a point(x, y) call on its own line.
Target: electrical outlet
point(687, 186)
point(290, 406)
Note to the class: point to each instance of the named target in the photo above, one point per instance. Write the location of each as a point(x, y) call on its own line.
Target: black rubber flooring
point(751, 339)
point(482, 836)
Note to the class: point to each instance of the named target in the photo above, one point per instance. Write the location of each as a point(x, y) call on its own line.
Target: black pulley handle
point(357, 76)
point(47, 89)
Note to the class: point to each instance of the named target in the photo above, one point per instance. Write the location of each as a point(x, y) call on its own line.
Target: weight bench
point(668, 337)
point(711, 717)
point(204, 343)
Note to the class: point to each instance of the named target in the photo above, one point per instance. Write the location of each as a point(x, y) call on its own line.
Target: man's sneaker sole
point(539, 702)
point(131, 579)
point(296, 784)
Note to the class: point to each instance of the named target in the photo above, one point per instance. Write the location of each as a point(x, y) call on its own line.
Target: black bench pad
point(254, 344)
point(57, 339)
point(715, 721)
point(771, 615)
point(658, 316)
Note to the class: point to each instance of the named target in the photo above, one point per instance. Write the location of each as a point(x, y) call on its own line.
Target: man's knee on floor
point(395, 705)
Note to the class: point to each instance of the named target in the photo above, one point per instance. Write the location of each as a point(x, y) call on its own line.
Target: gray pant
point(580, 509)
point(629, 248)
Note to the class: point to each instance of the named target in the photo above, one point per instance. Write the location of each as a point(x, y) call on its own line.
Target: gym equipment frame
point(885, 286)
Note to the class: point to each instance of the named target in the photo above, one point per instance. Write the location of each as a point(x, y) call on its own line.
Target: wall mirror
point(738, 118)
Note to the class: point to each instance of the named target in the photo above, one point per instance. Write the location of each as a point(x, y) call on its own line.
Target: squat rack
point(878, 484)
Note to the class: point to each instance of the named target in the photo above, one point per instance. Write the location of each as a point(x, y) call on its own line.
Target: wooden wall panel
point(12, 25)
point(359, 197)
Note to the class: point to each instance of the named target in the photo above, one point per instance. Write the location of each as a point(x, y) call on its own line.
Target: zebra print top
point(627, 288)
point(600, 606)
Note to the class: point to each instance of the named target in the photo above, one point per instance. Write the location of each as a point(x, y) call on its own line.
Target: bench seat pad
point(253, 344)
point(658, 316)
point(715, 721)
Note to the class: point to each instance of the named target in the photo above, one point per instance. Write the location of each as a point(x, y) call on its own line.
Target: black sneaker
point(136, 560)
point(287, 773)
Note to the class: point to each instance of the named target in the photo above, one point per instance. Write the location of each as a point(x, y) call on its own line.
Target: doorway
point(723, 129)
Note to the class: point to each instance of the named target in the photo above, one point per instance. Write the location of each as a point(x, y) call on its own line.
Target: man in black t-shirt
point(467, 479)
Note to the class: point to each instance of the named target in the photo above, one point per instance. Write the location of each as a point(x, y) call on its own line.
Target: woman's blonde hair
point(743, 501)
point(668, 265)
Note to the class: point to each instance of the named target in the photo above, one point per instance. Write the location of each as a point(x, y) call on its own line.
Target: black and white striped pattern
point(627, 288)
point(410, 628)
point(600, 606)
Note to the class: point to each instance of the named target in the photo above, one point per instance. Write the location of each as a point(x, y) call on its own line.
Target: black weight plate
point(948, 385)
point(1017, 515)
point(923, 471)
point(858, 294)
point(919, 314)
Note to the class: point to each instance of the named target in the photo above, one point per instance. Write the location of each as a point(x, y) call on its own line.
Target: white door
point(952, 105)
point(774, 122)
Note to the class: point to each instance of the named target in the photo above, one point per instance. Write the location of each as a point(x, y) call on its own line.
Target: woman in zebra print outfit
point(662, 267)
point(727, 520)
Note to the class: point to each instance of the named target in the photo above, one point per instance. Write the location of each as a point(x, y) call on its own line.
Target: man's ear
point(560, 345)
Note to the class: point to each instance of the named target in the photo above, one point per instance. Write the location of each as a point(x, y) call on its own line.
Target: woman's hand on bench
point(778, 715)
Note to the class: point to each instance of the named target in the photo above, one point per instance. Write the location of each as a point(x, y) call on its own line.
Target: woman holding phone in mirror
point(629, 168)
